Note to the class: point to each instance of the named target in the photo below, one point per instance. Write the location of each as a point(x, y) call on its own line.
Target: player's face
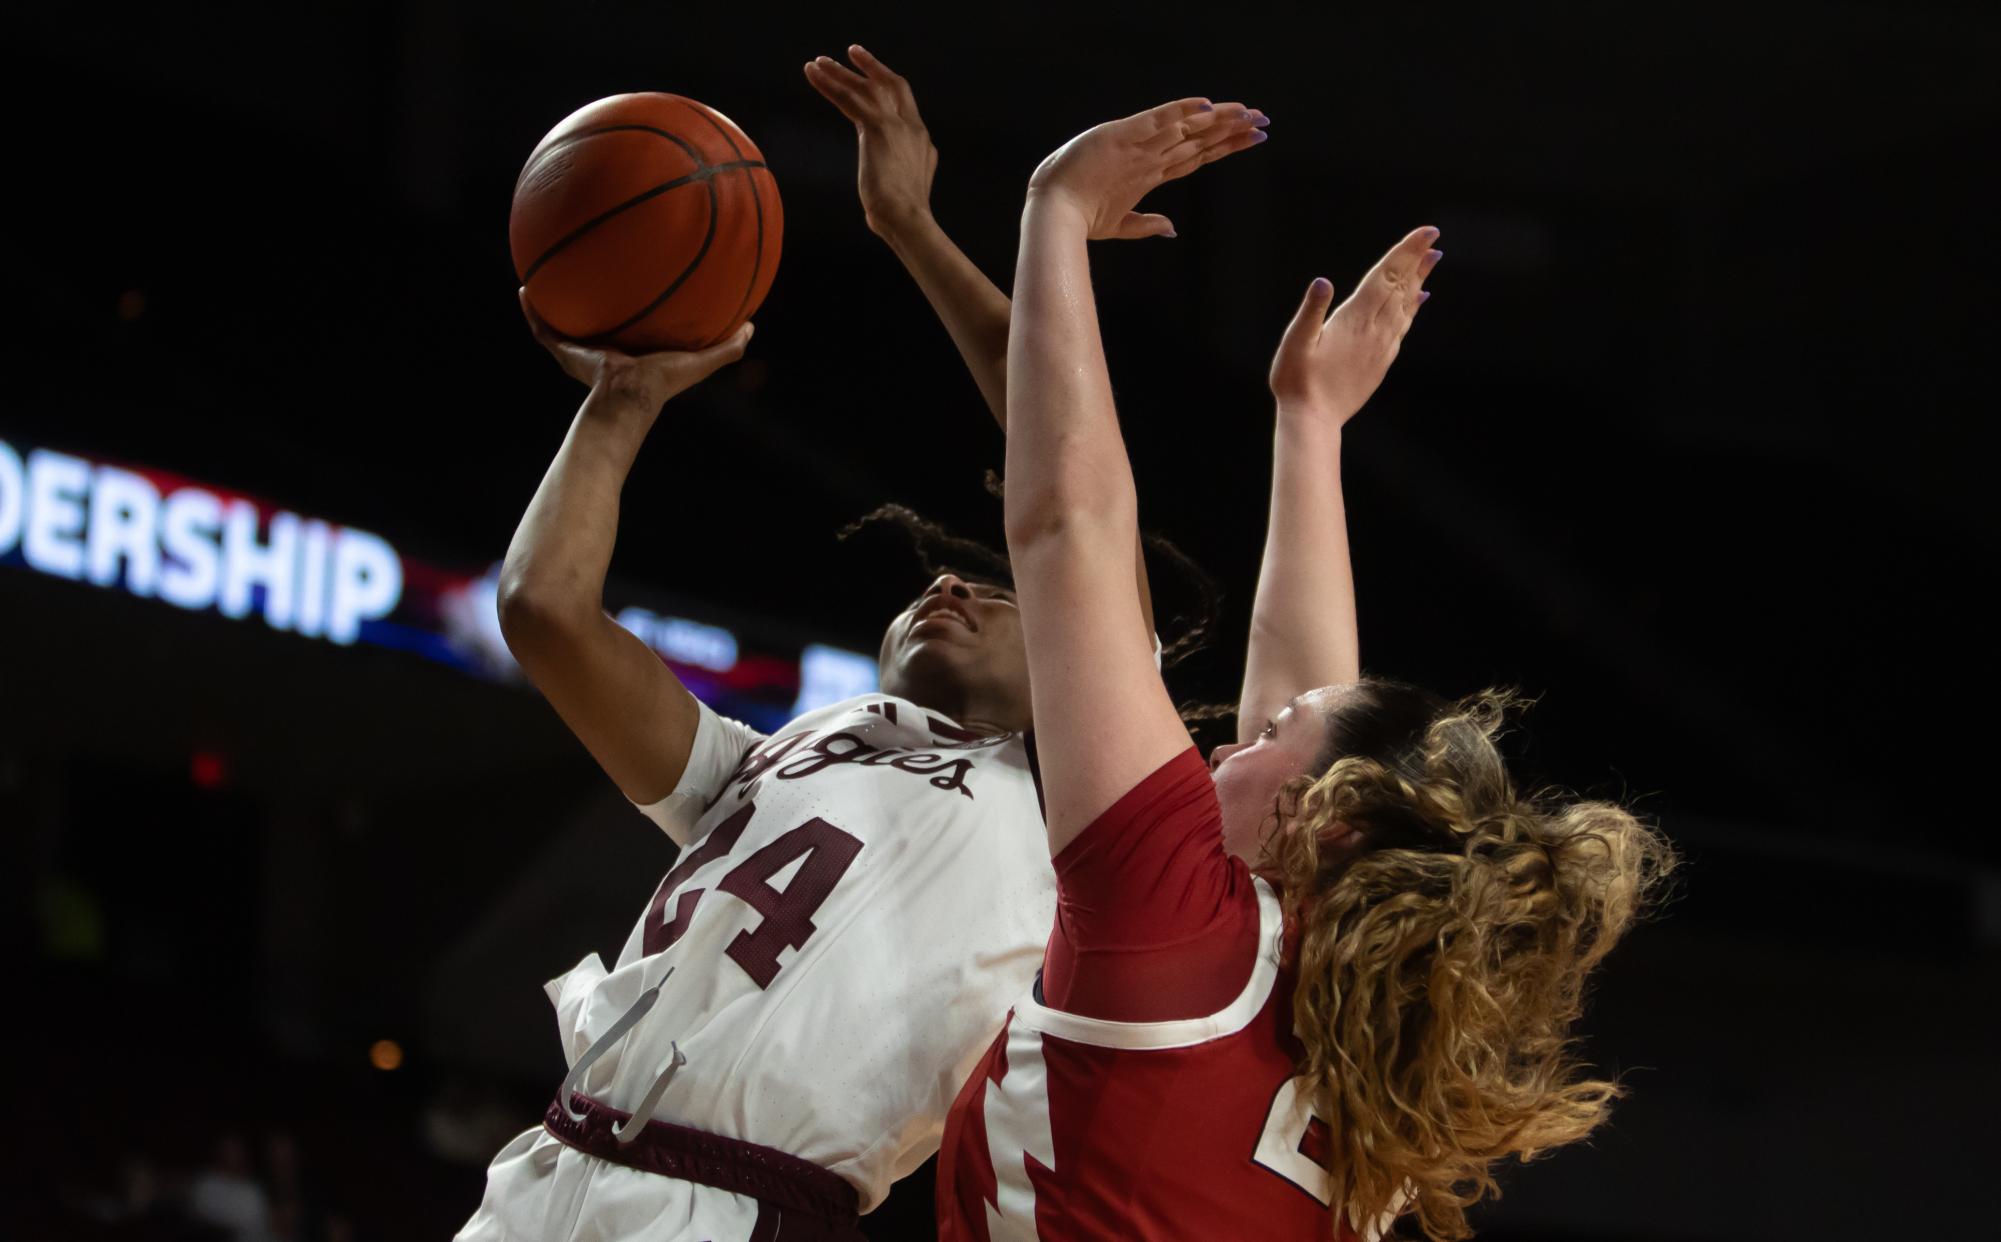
point(1250, 774)
point(959, 643)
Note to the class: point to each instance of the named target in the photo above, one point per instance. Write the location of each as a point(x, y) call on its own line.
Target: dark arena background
point(1688, 444)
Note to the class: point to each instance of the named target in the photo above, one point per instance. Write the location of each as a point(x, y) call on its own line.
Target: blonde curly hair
point(1440, 968)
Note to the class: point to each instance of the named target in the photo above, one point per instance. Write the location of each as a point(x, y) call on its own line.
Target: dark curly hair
point(940, 550)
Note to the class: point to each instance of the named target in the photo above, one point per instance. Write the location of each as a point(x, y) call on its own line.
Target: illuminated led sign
point(158, 536)
point(193, 547)
point(681, 641)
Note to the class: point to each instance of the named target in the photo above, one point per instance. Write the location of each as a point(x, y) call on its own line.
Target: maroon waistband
point(782, 1180)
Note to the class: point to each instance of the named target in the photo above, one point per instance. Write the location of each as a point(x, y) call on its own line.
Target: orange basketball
point(646, 221)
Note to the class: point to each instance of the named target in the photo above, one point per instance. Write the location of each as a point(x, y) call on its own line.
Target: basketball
point(647, 222)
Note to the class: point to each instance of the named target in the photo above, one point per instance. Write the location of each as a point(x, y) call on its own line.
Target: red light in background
point(206, 770)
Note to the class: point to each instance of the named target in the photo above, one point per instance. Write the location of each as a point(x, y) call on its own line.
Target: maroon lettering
point(721, 839)
point(802, 755)
point(676, 927)
point(788, 913)
point(954, 770)
point(828, 750)
point(759, 759)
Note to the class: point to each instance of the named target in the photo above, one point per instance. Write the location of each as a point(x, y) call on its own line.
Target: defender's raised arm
point(1071, 510)
point(1303, 630)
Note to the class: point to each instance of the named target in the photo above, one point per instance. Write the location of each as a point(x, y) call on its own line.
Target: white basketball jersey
point(859, 898)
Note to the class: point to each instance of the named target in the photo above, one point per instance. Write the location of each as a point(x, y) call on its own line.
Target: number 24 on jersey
point(787, 913)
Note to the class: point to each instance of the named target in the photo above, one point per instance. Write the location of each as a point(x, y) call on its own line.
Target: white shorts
point(539, 1189)
point(572, 1179)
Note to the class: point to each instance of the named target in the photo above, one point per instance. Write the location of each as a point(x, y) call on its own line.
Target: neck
point(967, 708)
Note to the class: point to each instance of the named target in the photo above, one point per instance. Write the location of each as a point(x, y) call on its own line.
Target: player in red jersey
point(1327, 977)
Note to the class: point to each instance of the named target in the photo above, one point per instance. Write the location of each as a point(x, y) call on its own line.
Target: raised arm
point(896, 163)
point(1303, 633)
point(614, 693)
point(1103, 719)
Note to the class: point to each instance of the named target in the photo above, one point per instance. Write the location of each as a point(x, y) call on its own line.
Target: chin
point(926, 671)
point(921, 660)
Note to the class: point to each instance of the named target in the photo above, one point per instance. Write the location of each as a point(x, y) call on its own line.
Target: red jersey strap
point(1031, 1014)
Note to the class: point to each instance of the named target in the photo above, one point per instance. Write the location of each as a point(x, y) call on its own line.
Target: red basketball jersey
point(1145, 1087)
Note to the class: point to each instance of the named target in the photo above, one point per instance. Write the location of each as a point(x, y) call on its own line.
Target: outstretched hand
point(1329, 365)
point(647, 378)
point(897, 158)
point(1105, 171)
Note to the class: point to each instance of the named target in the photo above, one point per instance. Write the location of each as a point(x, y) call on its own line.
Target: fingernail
point(1434, 255)
point(1258, 135)
point(1261, 121)
point(1170, 233)
point(1423, 296)
point(1322, 285)
point(1430, 234)
point(1205, 107)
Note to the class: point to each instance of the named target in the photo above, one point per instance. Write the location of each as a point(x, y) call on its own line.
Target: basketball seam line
point(702, 174)
point(536, 156)
point(707, 238)
point(757, 201)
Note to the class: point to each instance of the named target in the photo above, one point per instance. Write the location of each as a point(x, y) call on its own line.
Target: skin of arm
point(1303, 630)
point(896, 164)
point(626, 706)
point(1071, 507)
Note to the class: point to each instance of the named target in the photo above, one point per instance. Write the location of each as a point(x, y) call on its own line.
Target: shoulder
point(1180, 792)
point(1255, 996)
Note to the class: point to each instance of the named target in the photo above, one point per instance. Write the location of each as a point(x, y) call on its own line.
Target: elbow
point(533, 615)
point(1067, 510)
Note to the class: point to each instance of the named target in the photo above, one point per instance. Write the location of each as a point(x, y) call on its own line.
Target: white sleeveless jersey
point(858, 899)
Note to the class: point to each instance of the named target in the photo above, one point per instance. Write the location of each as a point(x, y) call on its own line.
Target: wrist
point(1054, 206)
point(625, 405)
point(1316, 416)
point(901, 221)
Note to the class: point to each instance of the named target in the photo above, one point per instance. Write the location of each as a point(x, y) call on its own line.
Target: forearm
point(1071, 527)
point(1066, 462)
point(1303, 628)
point(561, 551)
point(972, 308)
point(975, 312)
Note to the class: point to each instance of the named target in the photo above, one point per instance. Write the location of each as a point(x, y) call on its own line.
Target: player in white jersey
point(860, 895)
point(814, 976)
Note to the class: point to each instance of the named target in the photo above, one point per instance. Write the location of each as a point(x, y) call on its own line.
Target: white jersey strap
point(720, 744)
point(1181, 1032)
